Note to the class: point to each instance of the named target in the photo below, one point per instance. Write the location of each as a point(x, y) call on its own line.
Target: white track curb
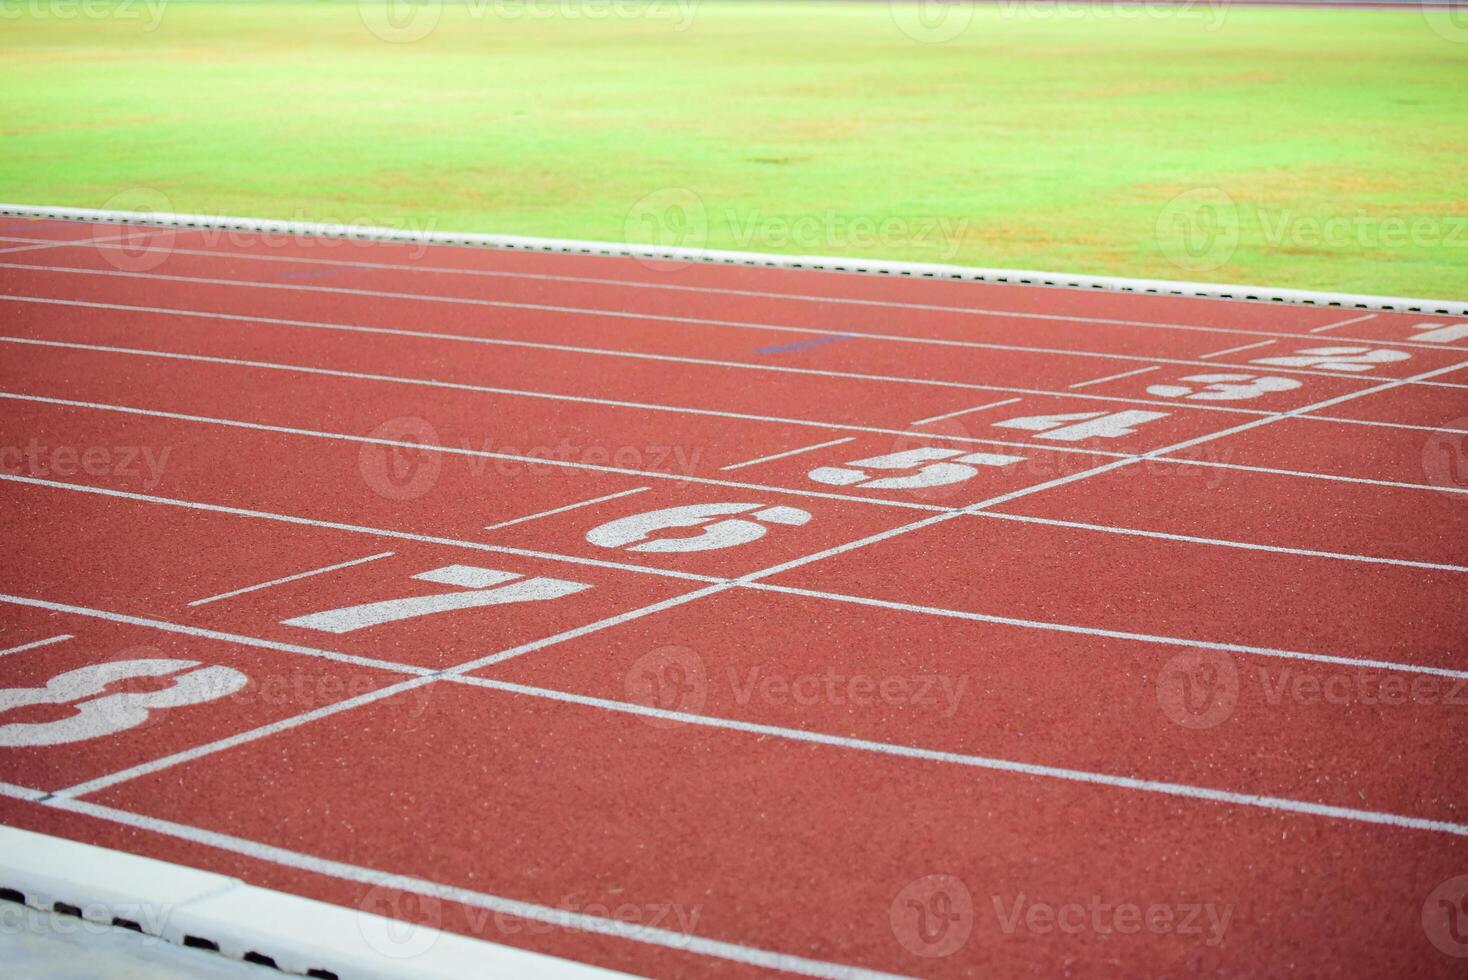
point(197, 908)
point(913, 270)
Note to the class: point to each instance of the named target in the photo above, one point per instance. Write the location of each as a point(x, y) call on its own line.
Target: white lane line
point(788, 452)
point(1343, 323)
point(38, 245)
point(788, 328)
point(1222, 542)
point(1086, 474)
point(1110, 634)
point(1430, 487)
point(36, 644)
point(552, 396)
point(167, 627)
point(634, 355)
point(1112, 377)
point(562, 510)
point(291, 578)
point(612, 352)
point(571, 634)
point(718, 583)
point(460, 674)
point(242, 738)
point(985, 762)
point(264, 731)
point(465, 451)
point(557, 917)
point(1235, 350)
point(964, 411)
point(682, 410)
point(376, 532)
point(22, 792)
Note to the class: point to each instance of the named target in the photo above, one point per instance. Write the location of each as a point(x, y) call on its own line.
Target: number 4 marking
point(1088, 425)
point(475, 581)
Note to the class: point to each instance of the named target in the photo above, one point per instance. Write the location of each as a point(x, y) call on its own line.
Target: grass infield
point(1319, 149)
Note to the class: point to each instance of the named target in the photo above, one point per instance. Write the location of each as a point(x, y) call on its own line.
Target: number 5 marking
point(475, 580)
point(932, 474)
point(117, 712)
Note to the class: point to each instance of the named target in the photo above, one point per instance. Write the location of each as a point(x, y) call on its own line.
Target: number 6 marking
point(932, 474)
point(117, 712)
point(634, 533)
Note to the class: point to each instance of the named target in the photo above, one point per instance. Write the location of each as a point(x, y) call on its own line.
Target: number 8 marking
point(114, 713)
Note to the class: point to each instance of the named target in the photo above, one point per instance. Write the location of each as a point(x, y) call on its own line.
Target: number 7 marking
point(477, 583)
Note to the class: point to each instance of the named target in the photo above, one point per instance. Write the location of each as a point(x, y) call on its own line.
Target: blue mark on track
point(310, 274)
point(803, 344)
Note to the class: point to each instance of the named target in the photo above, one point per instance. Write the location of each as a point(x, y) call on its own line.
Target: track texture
point(707, 621)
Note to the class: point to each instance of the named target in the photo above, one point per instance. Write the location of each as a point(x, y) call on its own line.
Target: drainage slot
point(61, 908)
point(261, 959)
point(198, 943)
point(11, 895)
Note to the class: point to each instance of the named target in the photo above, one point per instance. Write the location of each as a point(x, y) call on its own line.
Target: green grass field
point(1305, 148)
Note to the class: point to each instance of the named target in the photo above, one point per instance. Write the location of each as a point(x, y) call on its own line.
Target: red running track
point(935, 684)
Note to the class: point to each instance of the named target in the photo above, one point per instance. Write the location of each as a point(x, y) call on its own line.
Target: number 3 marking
point(117, 712)
point(931, 474)
point(1224, 387)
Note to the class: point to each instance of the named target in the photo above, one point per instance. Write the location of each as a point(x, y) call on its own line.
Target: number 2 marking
point(1353, 359)
point(1088, 425)
point(482, 587)
point(1441, 333)
point(113, 713)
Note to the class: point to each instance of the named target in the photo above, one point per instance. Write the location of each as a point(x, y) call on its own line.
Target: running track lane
point(1198, 711)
